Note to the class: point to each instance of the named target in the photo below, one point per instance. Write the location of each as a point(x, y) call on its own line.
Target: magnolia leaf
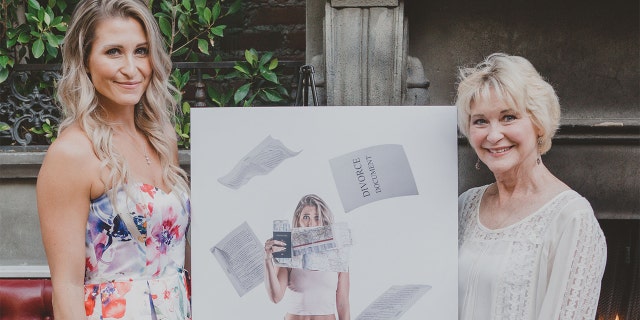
point(215, 11)
point(51, 39)
point(235, 7)
point(273, 64)
point(206, 13)
point(251, 56)
point(265, 58)
point(34, 4)
point(203, 45)
point(241, 93)
point(273, 96)
point(242, 67)
point(165, 26)
point(270, 76)
point(218, 30)
point(37, 48)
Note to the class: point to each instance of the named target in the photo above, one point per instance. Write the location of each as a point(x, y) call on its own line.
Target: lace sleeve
point(578, 266)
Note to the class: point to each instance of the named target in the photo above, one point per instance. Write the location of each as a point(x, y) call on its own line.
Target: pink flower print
point(148, 189)
point(164, 233)
point(114, 302)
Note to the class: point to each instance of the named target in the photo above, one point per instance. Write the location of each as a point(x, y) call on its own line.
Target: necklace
point(144, 148)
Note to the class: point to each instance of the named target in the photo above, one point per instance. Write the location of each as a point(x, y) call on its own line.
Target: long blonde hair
point(79, 100)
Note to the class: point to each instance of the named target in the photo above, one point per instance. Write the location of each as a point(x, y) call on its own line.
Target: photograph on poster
point(324, 210)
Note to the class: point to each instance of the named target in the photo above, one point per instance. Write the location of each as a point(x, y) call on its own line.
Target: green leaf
point(249, 102)
point(52, 52)
point(36, 131)
point(62, 5)
point(187, 129)
point(206, 15)
point(51, 39)
point(201, 3)
point(186, 107)
point(37, 48)
point(273, 96)
point(4, 60)
point(265, 58)
point(215, 11)
point(31, 17)
point(47, 19)
point(186, 4)
point(4, 126)
point(23, 38)
point(180, 52)
point(203, 45)
point(270, 76)
point(218, 30)
point(241, 93)
point(235, 7)
point(242, 67)
point(273, 64)
point(165, 26)
point(41, 14)
point(251, 56)
point(34, 4)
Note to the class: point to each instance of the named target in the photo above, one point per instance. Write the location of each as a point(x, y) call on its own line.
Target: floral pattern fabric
point(137, 278)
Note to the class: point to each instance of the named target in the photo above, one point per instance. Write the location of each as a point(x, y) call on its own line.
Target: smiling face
point(309, 217)
point(503, 137)
point(119, 63)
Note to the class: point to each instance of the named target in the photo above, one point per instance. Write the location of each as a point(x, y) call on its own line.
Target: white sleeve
point(576, 264)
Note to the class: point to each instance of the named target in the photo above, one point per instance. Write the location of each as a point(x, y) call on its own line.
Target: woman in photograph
point(530, 247)
point(313, 295)
point(112, 199)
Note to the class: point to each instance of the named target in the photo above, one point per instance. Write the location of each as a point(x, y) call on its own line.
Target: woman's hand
point(271, 246)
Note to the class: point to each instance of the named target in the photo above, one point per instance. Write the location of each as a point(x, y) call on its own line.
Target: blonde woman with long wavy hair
point(113, 202)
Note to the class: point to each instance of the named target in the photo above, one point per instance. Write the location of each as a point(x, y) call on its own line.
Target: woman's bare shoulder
point(72, 150)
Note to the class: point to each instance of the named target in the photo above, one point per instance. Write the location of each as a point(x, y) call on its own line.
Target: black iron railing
point(27, 97)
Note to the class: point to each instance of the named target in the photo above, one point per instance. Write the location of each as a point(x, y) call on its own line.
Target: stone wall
point(267, 25)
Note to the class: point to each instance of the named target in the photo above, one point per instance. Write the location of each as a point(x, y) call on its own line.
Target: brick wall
point(266, 25)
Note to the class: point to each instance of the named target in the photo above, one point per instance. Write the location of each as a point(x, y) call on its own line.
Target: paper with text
point(324, 248)
point(260, 161)
point(372, 174)
point(241, 256)
point(394, 302)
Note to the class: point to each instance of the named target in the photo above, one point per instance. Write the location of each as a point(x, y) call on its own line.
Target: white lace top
point(547, 266)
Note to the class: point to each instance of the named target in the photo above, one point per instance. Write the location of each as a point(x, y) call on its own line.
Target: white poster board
point(388, 173)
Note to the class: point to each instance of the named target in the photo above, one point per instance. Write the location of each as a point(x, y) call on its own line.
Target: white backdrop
point(402, 240)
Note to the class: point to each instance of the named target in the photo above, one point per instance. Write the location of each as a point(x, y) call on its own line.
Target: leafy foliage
point(33, 38)
point(259, 83)
point(33, 31)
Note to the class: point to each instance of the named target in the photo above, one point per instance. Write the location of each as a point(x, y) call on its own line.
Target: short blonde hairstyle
point(515, 81)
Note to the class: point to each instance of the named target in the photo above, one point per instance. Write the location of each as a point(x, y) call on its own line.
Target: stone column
point(365, 55)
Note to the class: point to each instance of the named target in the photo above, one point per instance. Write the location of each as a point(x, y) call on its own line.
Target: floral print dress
point(131, 278)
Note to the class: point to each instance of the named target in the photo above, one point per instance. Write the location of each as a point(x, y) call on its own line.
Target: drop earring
point(539, 150)
point(477, 166)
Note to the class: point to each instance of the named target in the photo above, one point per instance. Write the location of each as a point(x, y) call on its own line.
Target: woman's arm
point(63, 195)
point(275, 278)
point(575, 266)
point(342, 297)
